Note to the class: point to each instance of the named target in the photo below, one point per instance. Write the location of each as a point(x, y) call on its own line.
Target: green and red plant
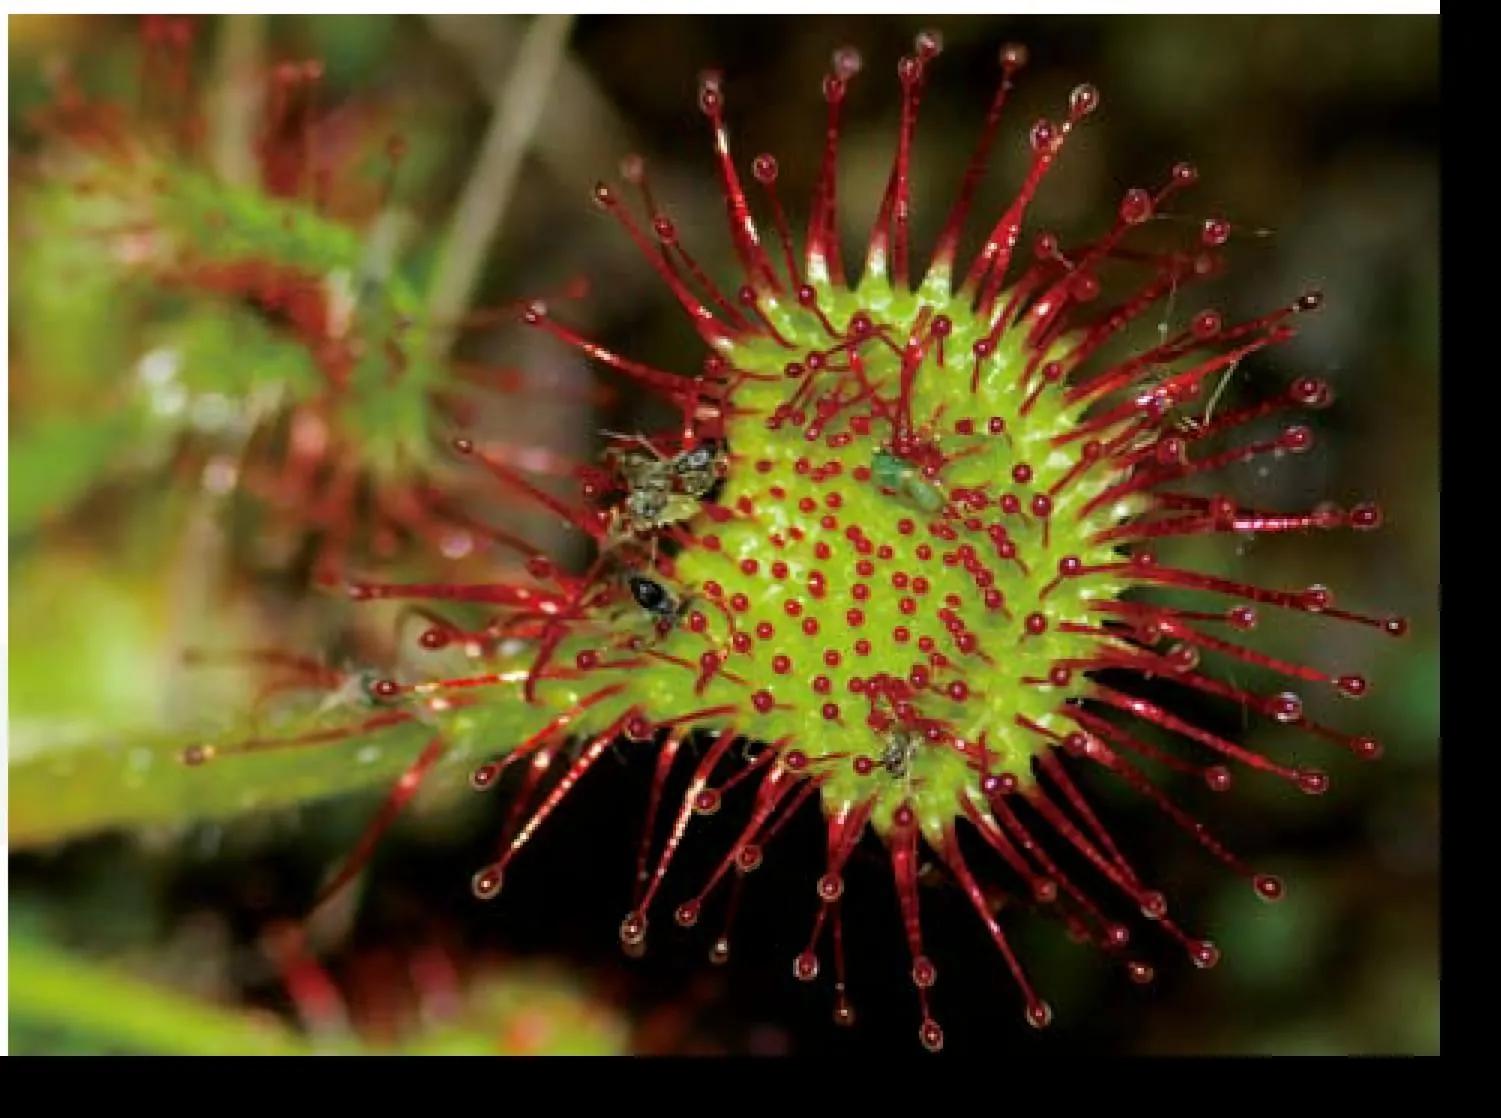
point(895, 558)
point(248, 322)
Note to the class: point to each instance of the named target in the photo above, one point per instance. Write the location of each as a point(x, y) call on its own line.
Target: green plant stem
point(235, 106)
point(582, 120)
point(66, 791)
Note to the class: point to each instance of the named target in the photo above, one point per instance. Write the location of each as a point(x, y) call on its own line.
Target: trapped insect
point(907, 482)
point(661, 491)
point(655, 599)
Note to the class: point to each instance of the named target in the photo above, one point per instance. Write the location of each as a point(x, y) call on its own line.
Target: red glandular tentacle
point(633, 930)
point(488, 881)
point(709, 328)
point(743, 234)
point(823, 252)
point(1042, 889)
point(774, 790)
point(888, 237)
point(1053, 767)
point(1013, 58)
point(1170, 279)
point(665, 758)
point(903, 838)
point(670, 386)
point(401, 792)
point(1150, 712)
point(1037, 1011)
point(990, 264)
point(1030, 845)
point(1149, 476)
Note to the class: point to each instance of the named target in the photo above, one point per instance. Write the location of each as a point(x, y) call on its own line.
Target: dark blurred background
point(1316, 136)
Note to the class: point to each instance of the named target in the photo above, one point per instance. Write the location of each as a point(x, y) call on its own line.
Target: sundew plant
point(923, 551)
point(279, 346)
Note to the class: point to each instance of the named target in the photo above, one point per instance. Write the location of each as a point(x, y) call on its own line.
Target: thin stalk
point(235, 106)
point(476, 219)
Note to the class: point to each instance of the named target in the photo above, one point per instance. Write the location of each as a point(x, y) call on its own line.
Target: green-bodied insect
point(907, 482)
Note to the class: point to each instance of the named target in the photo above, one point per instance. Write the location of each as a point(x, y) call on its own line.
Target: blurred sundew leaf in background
point(113, 336)
point(85, 666)
point(58, 461)
point(81, 416)
point(62, 1003)
point(103, 644)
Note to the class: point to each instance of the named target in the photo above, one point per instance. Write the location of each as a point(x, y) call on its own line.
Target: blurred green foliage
point(61, 1005)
